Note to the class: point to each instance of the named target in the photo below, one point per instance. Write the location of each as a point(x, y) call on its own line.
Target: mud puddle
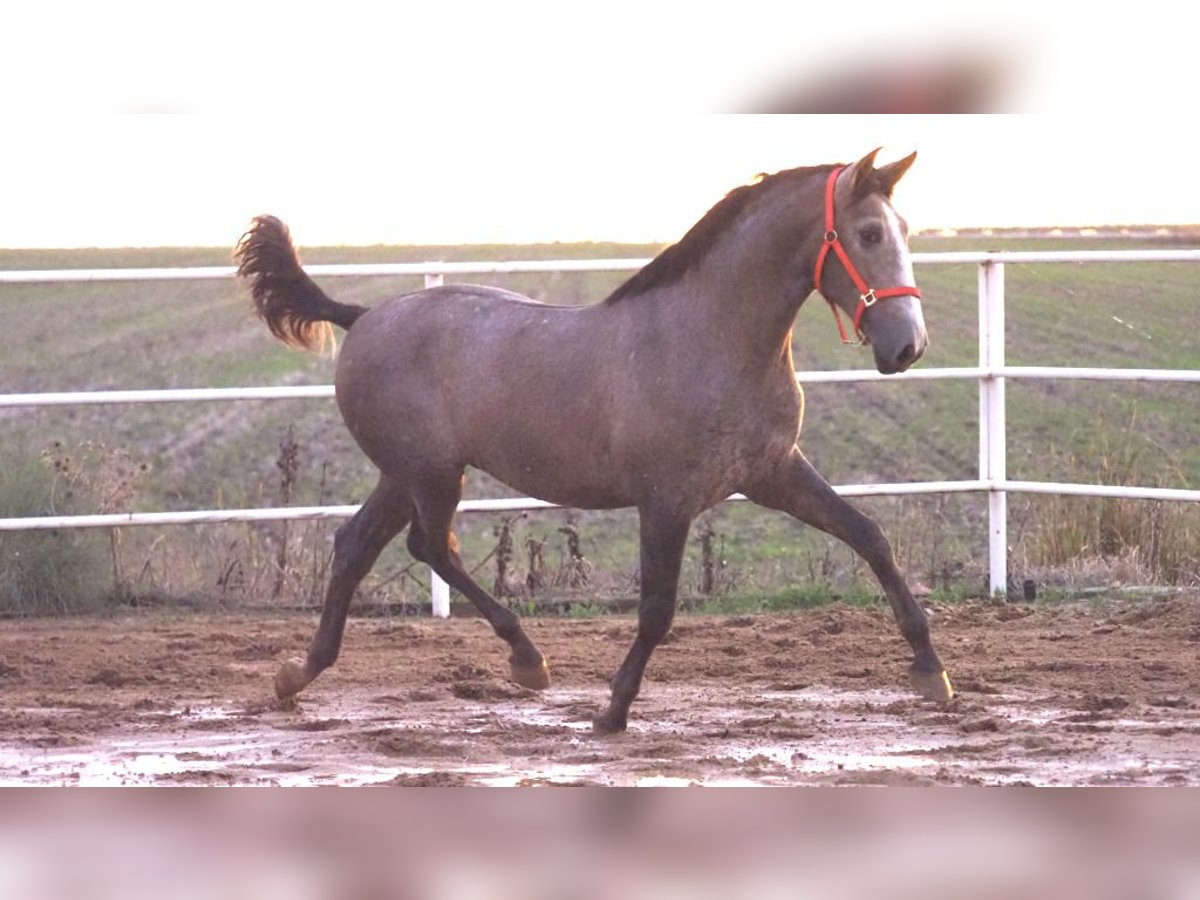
point(1062, 695)
point(681, 736)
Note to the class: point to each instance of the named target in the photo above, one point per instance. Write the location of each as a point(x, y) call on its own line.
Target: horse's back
point(464, 375)
point(444, 334)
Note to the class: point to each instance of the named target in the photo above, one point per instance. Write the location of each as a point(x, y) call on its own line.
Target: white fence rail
point(992, 374)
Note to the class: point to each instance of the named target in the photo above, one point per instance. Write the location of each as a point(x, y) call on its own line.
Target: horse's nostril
point(907, 356)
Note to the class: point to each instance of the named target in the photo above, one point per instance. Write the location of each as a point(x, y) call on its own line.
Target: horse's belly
point(577, 484)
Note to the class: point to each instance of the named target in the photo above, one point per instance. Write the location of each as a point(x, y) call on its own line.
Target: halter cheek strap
point(867, 296)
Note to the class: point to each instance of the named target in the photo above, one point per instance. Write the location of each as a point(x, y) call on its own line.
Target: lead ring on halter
point(867, 296)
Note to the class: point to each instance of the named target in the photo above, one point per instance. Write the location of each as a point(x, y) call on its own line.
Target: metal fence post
point(993, 449)
point(439, 590)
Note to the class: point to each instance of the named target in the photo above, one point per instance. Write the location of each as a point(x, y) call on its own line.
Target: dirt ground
point(1096, 693)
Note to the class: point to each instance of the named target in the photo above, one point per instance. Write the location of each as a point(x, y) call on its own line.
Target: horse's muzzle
point(889, 361)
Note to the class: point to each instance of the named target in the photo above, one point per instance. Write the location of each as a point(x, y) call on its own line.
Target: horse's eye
point(871, 235)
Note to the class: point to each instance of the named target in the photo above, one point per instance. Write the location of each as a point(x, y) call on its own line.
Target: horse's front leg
point(797, 488)
point(663, 539)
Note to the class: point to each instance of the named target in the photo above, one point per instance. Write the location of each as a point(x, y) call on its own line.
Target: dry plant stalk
point(109, 477)
point(575, 571)
point(288, 464)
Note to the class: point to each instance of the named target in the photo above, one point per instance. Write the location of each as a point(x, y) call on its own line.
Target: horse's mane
point(672, 263)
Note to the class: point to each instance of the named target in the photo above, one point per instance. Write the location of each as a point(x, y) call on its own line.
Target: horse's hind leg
point(797, 488)
point(432, 541)
point(356, 546)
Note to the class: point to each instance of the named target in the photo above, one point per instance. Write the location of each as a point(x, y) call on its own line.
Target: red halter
point(867, 296)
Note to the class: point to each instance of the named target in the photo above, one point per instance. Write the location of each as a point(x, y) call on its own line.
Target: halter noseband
point(867, 296)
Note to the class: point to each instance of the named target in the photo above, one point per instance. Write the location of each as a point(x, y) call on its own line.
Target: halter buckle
point(868, 299)
point(831, 236)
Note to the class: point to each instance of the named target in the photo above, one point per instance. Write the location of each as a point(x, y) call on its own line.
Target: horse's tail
point(295, 309)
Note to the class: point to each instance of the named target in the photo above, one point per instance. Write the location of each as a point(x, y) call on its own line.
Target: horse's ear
point(893, 172)
point(861, 181)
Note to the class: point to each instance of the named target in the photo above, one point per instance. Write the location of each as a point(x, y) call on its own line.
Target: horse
point(671, 394)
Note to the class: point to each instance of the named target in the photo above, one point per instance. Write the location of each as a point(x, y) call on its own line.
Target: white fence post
point(993, 446)
point(439, 591)
point(439, 596)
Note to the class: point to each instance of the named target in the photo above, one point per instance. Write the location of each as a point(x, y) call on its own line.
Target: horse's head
point(864, 266)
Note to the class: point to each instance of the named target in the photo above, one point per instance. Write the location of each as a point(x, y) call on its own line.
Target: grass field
point(199, 334)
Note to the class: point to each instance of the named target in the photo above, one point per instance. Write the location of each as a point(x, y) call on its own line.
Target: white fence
point(991, 373)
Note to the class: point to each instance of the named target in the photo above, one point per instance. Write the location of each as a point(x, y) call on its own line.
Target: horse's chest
point(748, 428)
point(719, 454)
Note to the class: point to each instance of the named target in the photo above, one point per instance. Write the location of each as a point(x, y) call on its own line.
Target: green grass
point(808, 596)
point(199, 334)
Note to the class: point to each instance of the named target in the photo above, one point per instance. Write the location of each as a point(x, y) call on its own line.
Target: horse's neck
point(743, 306)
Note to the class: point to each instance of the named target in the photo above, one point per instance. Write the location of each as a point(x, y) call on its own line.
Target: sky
point(196, 180)
point(139, 124)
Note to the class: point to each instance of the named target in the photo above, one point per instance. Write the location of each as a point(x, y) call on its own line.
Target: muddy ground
point(1097, 693)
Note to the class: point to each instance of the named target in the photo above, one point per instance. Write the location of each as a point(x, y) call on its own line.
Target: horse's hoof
point(932, 685)
point(291, 678)
point(607, 723)
point(535, 678)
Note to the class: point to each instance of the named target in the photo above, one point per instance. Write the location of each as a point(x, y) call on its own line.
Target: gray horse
point(673, 393)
